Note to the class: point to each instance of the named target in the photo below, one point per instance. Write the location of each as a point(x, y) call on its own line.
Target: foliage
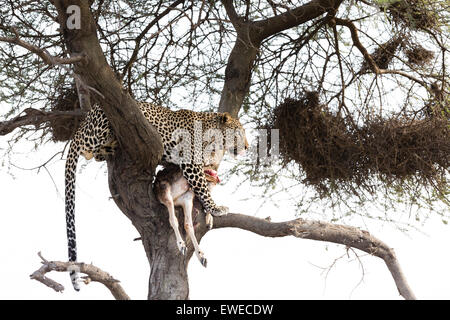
point(177, 57)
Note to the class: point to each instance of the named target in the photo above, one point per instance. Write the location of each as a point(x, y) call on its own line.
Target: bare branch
point(48, 59)
point(94, 274)
point(295, 17)
point(322, 231)
point(144, 32)
point(368, 57)
point(35, 117)
point(357, 43)
point(231, 12)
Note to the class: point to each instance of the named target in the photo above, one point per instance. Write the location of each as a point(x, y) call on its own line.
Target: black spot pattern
point(96, 138)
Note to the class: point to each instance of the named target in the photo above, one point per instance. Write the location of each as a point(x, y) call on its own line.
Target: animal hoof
point(219, 211)
point(183, 249)
point(209, 221)
point(203, 261)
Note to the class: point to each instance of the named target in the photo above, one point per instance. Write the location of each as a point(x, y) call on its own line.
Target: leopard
point(211, 131)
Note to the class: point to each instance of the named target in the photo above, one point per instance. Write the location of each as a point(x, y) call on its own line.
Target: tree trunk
point(131, 190)
point(131, 169)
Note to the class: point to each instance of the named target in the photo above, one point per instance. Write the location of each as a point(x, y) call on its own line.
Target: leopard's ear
point(225, 117)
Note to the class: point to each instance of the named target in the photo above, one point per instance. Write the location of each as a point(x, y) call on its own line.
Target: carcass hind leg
point(187, 204)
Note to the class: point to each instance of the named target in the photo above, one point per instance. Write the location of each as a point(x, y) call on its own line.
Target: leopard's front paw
point(219, 211)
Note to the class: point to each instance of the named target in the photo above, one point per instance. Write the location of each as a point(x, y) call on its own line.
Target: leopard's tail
point(70, 172)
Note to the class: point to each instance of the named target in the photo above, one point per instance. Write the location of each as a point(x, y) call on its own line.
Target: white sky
point(241, 265)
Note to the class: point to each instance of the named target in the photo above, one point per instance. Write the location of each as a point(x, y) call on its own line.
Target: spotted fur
point(95, 138)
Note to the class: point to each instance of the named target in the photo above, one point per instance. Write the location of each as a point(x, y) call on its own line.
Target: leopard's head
point(234, 134)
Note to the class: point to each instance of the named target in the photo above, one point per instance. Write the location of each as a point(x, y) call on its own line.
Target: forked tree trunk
point(131, 190)
point(140, 147)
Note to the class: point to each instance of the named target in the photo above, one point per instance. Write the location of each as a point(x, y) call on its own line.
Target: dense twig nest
point(332, 151)
point(384, 54)
point(316, 139)
point(399, 148)
point(413, 14)
point(418, 55)
point(62, 129)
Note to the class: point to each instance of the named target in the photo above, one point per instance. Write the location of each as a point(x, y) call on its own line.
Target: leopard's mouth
point(212, 176)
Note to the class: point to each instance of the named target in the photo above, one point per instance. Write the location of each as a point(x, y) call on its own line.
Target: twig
point(144, 32)
point(48, 59)
point(373, 65)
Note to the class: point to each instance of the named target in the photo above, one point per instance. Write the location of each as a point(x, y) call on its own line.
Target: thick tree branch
point(35, 117)
point(231, 13)
point(250, 34)
point(135, 135)
point(93, 274)
point(240, 63)
point(294, 17)
point(322, 231)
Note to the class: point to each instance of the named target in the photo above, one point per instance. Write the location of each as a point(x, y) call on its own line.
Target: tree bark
point(131, 189)
point(238, 75)
point(240, 63)
point(131, 169)
point(323, 231)
point(134, 133)
point(250, 35)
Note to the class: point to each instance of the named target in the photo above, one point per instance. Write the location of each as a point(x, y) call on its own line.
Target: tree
point(64, 55)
